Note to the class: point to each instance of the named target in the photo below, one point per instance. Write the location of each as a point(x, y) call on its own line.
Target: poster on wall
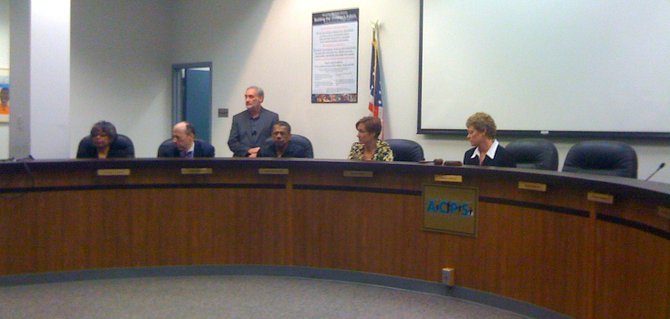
point(335, 56)
point(4, 95)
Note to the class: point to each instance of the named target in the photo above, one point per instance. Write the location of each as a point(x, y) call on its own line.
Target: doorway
point(192, 97)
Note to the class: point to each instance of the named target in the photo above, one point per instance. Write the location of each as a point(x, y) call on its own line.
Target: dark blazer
point(242, 137)
point(201, 149)
point(502, 159)
point(294, 149)
point(122, 147)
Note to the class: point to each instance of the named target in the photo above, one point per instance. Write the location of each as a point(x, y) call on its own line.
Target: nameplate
point(196, 171)
point(600, 198)
point(273, 171)
point(114, 172)
point(358, 174)
point(449, 178)
point(663, 212)
point(538, 187)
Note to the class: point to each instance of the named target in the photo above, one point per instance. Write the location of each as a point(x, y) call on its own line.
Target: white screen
point(571, 65)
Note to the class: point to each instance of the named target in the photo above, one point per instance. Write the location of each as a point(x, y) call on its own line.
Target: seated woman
point(482, 135)
point(369, 147)
point(105, 143)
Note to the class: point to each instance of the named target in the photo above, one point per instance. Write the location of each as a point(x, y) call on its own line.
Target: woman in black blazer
point(104, 142)
point(486, 151)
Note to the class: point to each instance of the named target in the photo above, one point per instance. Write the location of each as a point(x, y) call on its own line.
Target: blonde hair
point(482, 122)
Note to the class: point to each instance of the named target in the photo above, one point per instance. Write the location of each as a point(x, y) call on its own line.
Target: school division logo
point(450, 209)
point(442, 206)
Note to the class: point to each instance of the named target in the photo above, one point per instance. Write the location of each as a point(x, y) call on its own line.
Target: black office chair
point(405, 150)
point(603, 158)
point(535, 153)
point(122, 145)
point(298, 139)
point(167, 149)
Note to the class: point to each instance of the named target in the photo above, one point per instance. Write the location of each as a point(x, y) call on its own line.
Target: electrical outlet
point(448, 276)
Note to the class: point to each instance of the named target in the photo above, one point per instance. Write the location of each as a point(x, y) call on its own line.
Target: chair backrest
point(405, 150)
point(167, 148)
point(122, 142)
point(298, 139)
point(603, 158)
point(535, 153)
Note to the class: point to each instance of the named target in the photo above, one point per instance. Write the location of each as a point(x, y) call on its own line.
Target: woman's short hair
point(104, 127)
point(371, 124)
point(482, 122)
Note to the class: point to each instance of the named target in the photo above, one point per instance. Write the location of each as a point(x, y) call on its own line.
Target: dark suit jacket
point(295, 150)
point(242, 137)
point(201, 149)
point(122, 147)
point(502, 159)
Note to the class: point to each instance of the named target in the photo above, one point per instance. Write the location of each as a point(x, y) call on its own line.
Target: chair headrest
point(602, 157)
point(534, 153)
point(405, 150)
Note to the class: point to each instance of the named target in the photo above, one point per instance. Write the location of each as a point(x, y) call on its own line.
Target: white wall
point(268, 43)
point(49, 79)
point(121, 70)
point(4, 63)
point(122, 51)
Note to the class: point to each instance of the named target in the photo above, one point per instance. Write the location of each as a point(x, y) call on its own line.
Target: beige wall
point(268, 43)
point(122, 53)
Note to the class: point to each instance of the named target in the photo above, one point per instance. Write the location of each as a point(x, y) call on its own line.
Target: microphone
point(656, 171)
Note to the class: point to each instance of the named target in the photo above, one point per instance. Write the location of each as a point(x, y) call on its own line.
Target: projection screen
point(570, 68)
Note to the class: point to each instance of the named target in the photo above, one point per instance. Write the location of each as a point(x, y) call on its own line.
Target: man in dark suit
point(283, 145)
point(252, 126)
point(184, 144)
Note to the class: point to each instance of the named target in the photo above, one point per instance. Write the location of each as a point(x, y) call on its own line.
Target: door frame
point(177, 110)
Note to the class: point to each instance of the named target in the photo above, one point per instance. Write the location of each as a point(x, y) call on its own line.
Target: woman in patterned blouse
point(369, 147)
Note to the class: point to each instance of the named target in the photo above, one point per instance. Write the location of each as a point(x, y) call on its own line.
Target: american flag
point(375, 105)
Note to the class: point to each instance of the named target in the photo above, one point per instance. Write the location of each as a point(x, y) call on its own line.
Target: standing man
point(184, 144)
point(251, 127)
point(284, 146)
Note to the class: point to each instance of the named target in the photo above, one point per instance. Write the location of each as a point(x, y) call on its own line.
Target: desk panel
point(555, 249)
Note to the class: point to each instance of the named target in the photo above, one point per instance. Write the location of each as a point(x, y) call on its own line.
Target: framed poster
point(335, 56)
point(4, 95)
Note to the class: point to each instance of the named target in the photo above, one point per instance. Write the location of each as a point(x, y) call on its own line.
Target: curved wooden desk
point(556, 249)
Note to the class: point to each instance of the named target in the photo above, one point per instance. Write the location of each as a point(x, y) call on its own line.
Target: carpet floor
point(230, 297)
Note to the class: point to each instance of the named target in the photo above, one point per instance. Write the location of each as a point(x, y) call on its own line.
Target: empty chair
point(535, 153)
point(121, 147)
point(405, 150)
point(603, 158)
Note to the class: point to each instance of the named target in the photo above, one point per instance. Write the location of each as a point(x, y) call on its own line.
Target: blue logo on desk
point(450, 207)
